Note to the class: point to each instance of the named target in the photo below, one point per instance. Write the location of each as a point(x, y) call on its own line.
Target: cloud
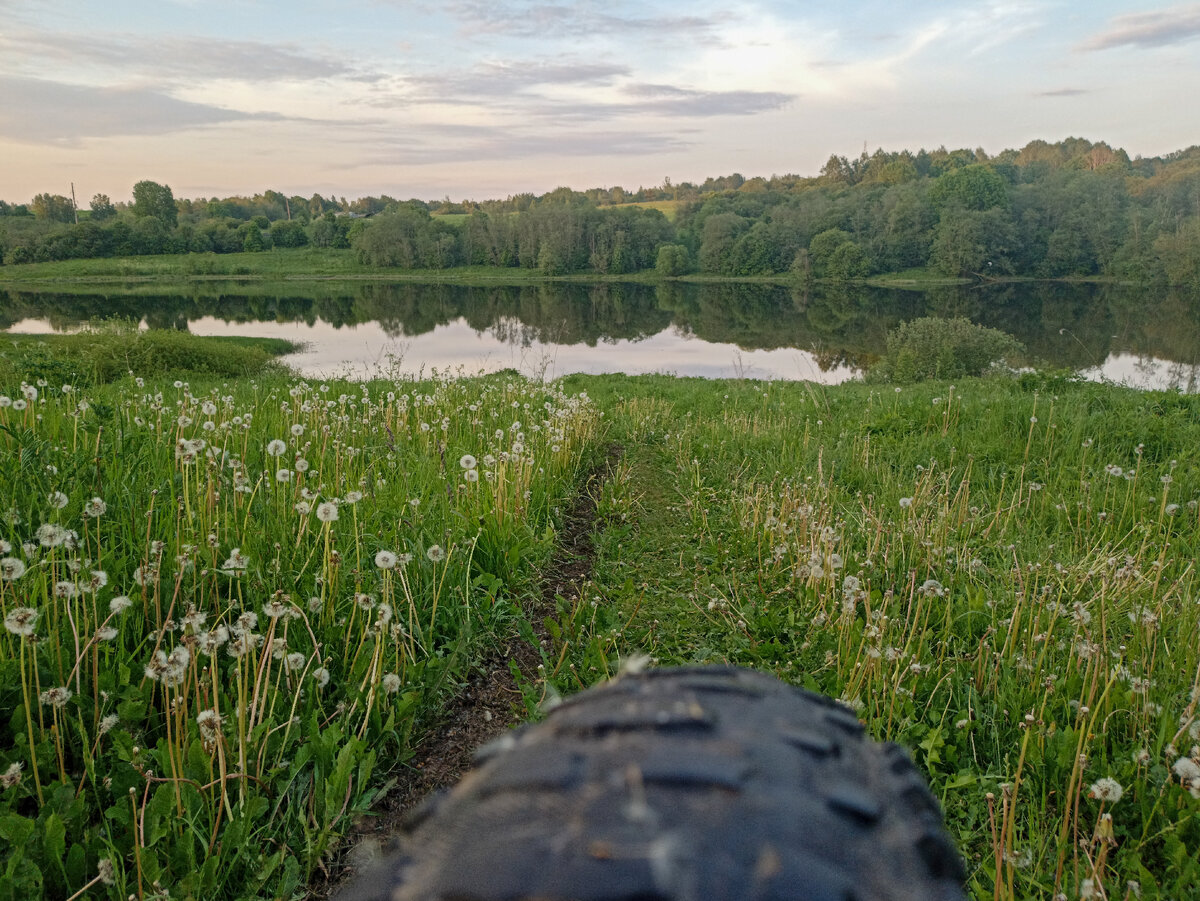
point(504, 79)
point(1063, 92)
point(534, 89)
point(470, 144)
point(80, 112)
point(177, 59)
point(669, 100)
point(1151, 29)
point(521, 18)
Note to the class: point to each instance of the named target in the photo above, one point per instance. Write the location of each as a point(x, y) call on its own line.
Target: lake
point(1148, 338)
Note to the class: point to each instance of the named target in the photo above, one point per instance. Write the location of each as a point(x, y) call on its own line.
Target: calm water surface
point(1146, 339)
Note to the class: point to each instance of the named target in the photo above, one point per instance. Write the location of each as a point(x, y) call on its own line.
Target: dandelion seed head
point(386, 560)
point(327, 511)
point(11, 569)
point(435, 553)
point(119, 604)
point(321, 676)
point(391, 683)
point(56, 697)
point(12, 776)
point(1107, 789)
point(21, 621)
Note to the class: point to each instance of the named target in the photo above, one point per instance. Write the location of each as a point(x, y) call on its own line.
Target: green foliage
point(155, 200)
point(935, 348)
point(53, 207)
point(672, 260)
point(253, 242)
point(832, 254)
point(102, 208)
point(974, 187)
point(1180, 255)
point(1068, 209)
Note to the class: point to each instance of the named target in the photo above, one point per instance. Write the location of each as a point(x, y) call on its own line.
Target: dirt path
point(491, 701)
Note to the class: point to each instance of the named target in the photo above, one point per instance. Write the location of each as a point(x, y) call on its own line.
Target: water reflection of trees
point(1067, 325)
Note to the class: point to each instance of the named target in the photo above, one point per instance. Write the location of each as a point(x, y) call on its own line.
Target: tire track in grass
point(492, 699)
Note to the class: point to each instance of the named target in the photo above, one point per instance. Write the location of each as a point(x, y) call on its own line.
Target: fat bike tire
point(685, 784)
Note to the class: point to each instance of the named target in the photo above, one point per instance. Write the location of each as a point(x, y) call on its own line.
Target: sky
point(478, 99)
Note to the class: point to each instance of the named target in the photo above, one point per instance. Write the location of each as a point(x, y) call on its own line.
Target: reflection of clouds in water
point(368, 349)
point(1146, 372)
point(364, 350)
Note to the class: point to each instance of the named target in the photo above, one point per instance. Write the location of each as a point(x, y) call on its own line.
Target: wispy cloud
point(86, 112)
point(562, 90)
point(172, 59)
point(522, 18)
point(505, 78)
point(1150, 29)
point(455, 144)
point(1063, 92)
point(669, 100)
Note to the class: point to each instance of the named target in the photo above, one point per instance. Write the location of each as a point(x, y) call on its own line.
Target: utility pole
point(74, 205)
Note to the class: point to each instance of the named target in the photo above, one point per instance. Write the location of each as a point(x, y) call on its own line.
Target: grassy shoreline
point(999, 574)
point(316, 265)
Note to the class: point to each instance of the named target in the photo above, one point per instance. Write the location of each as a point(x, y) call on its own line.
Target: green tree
point(833, 254)
point(102, 208)
point(53, 208)
point(974, 187)
point(1180, 255)
point(286, 233)
point(970, 242)
point(253, 242)
point(846, 262)
point(672, 260)
point(152, 199)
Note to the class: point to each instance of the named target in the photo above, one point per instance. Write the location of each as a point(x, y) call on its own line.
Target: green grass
point(273, 266)
point(454, 219)
point(668, 208)
point(998, 574)
point(101, 355)
point(148, 524)
point(963, 565)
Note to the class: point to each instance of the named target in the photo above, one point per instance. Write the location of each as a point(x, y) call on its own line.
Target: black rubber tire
point(685, 784)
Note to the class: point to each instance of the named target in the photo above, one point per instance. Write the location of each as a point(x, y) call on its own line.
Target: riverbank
point(310, 264)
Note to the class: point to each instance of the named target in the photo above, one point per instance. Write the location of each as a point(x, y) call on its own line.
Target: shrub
point(933, 348)
point(672, 260)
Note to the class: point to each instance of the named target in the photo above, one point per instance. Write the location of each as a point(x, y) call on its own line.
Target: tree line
point(1050, 210)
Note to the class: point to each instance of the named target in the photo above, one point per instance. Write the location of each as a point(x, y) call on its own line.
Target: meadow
point(227, 603)
point(232, 603)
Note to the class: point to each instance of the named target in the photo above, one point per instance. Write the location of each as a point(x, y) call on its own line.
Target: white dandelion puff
point(21, 621)
point(11, 569)
point(1106, 789)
